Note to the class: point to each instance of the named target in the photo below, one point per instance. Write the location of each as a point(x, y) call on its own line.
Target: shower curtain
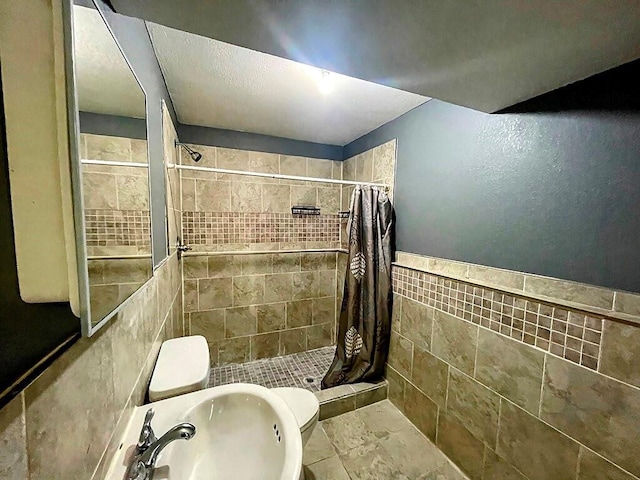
point(364, 326)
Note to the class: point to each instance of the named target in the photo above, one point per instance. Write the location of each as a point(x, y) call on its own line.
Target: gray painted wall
point(133, 38)
point(260, 143)
point(551, 186)
point(113, 125)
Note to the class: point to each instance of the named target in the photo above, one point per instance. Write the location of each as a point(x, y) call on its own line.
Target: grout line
point(485, 448)
point(600, 346)
point(438, 413)
point(579, 461)
point(475, 357)
point(499, 422)
point(544, 368)
point(446, 392)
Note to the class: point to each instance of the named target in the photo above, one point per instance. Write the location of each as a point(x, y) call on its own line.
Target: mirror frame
point(73, 116)
point(172, 244)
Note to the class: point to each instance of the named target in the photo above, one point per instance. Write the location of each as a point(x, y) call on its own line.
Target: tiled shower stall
point(261, 282)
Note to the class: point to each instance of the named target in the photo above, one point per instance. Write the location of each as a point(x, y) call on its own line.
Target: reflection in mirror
point(114, 166)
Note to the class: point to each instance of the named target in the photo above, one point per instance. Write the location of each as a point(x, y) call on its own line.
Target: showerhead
point(195, 156)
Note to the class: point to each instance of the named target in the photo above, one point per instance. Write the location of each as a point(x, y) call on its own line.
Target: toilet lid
point(182, 366)
point(303, 403)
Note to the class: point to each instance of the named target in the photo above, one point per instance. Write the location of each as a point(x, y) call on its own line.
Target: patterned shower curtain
point(365, 315)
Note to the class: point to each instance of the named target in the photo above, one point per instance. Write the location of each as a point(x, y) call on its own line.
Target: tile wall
point(268, 304)
point(224, 212)
point(214, 228)
point(68, 422)
point(260, 305)
point(511, 386)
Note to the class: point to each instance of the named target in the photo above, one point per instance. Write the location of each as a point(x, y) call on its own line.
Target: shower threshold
point(302, 370)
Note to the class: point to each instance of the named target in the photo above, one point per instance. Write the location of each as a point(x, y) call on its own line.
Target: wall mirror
point(113, 192)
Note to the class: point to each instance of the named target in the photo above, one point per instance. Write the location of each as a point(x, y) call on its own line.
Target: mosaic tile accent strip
point(203, 228)
point(566, 333)
point(287, 371)
point(105, 227)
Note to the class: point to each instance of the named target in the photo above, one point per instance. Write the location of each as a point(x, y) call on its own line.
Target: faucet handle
point(137, 471)
point(148, 416)
point(147, 436)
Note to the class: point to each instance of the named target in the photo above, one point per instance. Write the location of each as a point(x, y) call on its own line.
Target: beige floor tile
point(376, 442)
point(348, 431)
point(445, 472)
point(412, 453)
point(371, 461)
point(328, 469)
point(318, 447)
point(383, 417)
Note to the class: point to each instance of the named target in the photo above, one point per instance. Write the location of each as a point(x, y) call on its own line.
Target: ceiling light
point(325, 82)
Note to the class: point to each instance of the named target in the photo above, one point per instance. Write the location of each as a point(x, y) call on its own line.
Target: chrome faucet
point(149, 447)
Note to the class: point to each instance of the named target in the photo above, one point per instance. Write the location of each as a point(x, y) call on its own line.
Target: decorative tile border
point(202, 228)
point(105, 227)
point(566, 333)
point(599, 301)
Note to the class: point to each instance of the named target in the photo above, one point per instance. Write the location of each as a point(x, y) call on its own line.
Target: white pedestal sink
point(243, 432)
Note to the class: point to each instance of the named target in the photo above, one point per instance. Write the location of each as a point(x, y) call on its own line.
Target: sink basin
point(243, 432)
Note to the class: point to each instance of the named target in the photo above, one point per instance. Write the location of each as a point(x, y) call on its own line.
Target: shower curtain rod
point(113, 163)
point(277, 175)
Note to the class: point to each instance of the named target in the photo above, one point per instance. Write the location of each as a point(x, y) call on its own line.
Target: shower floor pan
point(302, 370)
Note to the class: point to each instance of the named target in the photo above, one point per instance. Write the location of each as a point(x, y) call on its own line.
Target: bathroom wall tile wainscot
point(254, 306)
point(87, 395)
point(511, 385)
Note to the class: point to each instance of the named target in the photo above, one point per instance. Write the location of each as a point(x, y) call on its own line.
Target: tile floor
point(288, 371)
point(374, 442)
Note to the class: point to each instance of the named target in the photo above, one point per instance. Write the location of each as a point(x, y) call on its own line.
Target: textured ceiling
point(483, 54)
point(215, 84)
point(105, 84)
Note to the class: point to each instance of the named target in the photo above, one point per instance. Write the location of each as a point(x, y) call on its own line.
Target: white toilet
point(305, 407)
point(182, 367)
